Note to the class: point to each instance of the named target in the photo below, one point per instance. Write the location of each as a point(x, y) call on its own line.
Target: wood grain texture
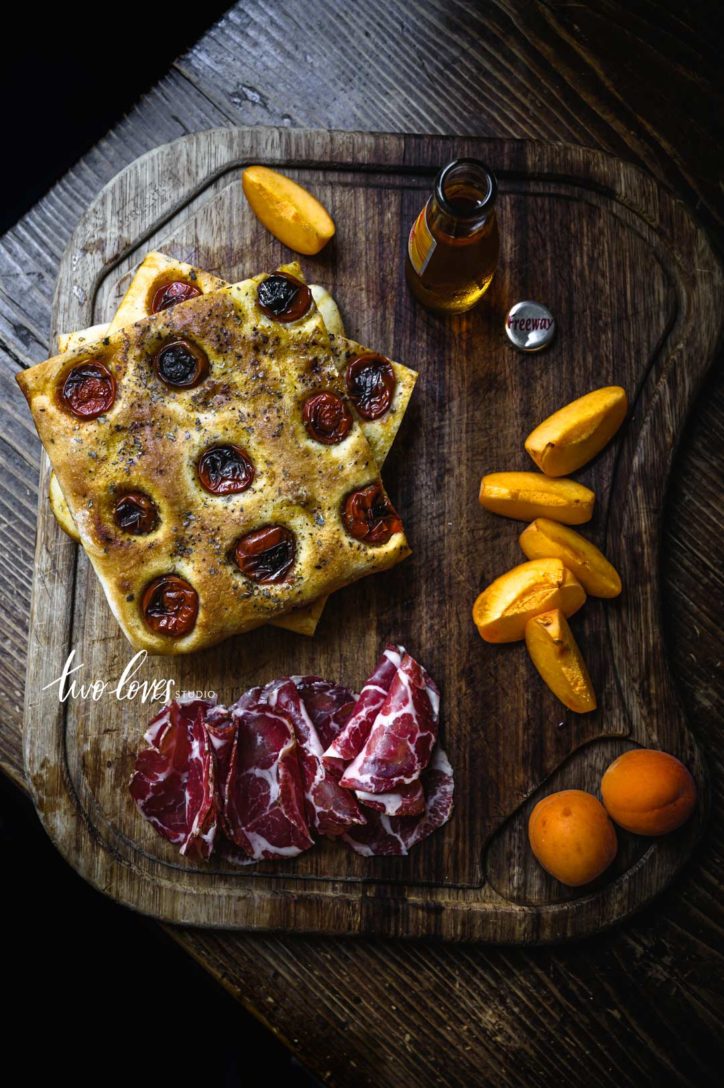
point(634, 1007)
point(634, 318)
point(29, 258)
point(544, 69)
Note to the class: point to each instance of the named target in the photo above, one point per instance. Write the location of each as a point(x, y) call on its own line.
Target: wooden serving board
point(636, 292)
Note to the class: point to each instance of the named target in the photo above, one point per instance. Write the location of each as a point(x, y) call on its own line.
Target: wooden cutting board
point(636, 292)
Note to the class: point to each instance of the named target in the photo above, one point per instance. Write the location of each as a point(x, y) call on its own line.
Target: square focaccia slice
point(213, 467)
point(379, 388)
point(159, 283)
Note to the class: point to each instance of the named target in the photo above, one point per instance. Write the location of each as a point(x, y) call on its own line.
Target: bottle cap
point(530, 326)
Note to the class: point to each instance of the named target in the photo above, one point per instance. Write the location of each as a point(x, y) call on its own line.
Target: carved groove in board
point(321, 894)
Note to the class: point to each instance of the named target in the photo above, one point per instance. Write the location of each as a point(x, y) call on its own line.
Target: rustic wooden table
point(638, 1005)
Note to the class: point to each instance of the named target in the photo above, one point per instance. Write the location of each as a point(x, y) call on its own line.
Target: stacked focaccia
point(220, 456)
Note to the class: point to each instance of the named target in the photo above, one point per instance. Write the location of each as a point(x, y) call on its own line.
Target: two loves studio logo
point(127, 687)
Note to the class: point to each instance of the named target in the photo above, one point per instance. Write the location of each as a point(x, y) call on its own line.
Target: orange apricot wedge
point(569, 438)
point(501, 611)
point(528, 495)
point(546, 538)
point(287, 210)
point(555, 654)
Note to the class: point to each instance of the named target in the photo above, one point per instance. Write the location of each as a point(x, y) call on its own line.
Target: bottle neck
point(463, 200)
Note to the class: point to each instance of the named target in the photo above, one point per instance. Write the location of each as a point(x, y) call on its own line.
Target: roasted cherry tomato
point(170, 605)
point(327, 418)
point(283, 297)
point(371, 384)
point(89, 390)
point(267, 554)
point(181, 364)
point(225, 470)
point(368, 515)
point(136, 513)
point(170, 294)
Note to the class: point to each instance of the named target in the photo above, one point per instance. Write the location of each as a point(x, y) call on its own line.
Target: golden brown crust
point(379, 433)
point(150, 439)
point(155, 271)
point(59, 506)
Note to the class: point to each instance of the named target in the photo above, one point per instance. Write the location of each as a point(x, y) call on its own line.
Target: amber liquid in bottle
point(452, 250)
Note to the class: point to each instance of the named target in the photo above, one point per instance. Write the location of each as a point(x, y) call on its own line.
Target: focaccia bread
point(379, 389)
point(159, 283)
point(312, 514)
point(157, 271)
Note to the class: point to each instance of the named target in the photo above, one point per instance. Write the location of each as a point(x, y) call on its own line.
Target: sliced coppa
point(330, 809)
point(221, 729)
point(264, 805)
point(185, 705)
point(352, 739)
point(394, 836)
point(329, 705)
point(201, 808)
point(173, 779)
point(403, 736)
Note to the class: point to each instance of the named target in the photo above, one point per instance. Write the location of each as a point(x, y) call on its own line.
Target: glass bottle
point(453, 246)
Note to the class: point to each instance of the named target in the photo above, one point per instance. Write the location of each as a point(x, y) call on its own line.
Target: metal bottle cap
point(530, 326)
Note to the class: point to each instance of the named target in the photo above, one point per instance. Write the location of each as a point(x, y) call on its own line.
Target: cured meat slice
point(173, 779)
point(188, 705)
point(354, 735)
point(264, 792)
point(330, 706)
point(406, 801)
point(330, 809)
point(388, 836)
point(221, 729)
point(201, 807)
point(403, 735)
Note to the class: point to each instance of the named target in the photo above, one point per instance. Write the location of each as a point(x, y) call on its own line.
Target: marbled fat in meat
point(394, 836)
point(264, 805)
point(403, 735)
point(355, 733)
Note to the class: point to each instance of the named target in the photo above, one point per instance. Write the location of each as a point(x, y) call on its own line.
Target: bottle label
point(421, 244)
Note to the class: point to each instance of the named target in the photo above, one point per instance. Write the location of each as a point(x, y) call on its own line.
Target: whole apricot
point(572, 837)
point(648, 792)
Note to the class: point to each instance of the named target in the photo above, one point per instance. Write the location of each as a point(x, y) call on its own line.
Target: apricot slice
point(527, 495)
point(503, 609)
point(286, 209)
point(545, 538)
point(61, 510)
point(648, 792)
point(555, 654)
point(572, 837)
point(576, 433)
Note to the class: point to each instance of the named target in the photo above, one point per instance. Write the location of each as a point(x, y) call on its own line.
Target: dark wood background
point(639, 1005)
